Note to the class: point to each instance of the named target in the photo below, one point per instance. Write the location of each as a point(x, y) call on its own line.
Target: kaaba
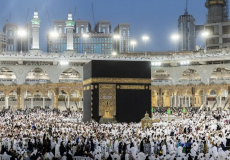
point(116, 90)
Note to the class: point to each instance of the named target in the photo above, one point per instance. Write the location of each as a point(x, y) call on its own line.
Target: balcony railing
point(156, 56)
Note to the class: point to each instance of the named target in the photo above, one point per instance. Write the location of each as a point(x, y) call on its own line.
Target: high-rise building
point(217, 24)
point(2, 41)
point(28, 39)
point(187, 32)
point(98, 41)
point(123, 30)
point(10, 29)
point(82, 26)
point(103, 27)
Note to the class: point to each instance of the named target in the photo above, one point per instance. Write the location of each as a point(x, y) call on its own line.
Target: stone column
point(193, 101)
point(179, 101)
point(19, 102)
point(52, 101)
point(175, 97)
point(189, 101)
point(185, 101)
point(43, 104)
point(171, 100)
point(68, 102)
point(220, 101)
point(6, 102)
point(32, 102)
point(56, 102)
point(22, 101)
point(205, 99)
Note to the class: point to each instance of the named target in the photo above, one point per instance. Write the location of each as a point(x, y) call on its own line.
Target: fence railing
point(139, 55)
point(81, 158)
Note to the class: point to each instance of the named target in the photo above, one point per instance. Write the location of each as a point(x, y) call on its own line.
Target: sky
point(156, 18)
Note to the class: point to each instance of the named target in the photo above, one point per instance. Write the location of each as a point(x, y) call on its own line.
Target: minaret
point(35, 27)
point(69, 29)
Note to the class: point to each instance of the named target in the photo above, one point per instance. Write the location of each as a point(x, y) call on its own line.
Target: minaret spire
point(35, 29)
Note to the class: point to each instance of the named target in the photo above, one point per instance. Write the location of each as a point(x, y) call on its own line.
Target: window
point(103, 30)
point(10, 34)
point(76, 29)
point(60, 30)
point(82, 30)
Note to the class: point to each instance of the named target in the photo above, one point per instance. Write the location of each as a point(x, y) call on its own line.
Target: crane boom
point(48, 17)
point(75, 9)
point(27, 15)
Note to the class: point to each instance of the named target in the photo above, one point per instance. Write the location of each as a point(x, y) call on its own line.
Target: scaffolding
point(217, 14)
point(226, 11)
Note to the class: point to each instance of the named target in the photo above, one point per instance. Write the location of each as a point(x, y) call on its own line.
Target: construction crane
point(93, 16)
point(8, 20)
point(27, 15)
point(75, 10)
point(48, 17)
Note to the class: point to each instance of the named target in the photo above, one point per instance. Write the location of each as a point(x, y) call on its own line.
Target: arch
point(7, 75)
point(165, 93)
point(154, 93)
point(212, 92)
point(190, 75)
point(188, 92)
point(62, 95)
point(223, 93)
point(77, 91)
point(37, 75)
point(2, 96)
point(200, 92)
point(13, 96)
point(161, 75)
point(70, 75)
point(220, 73)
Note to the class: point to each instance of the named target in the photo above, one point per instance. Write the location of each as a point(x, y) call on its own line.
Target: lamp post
point(116, 37)
point(114, 53)
point(145, 38)
point(21, 34)
point(205, 34)
point(53, 35)
point(84, 37)
point(133, 43)
point(175, 38)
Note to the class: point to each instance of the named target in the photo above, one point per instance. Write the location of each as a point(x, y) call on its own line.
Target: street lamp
point(133, 43)
point(175, 37)
point(53, 34)
point(114, 53)
point(145, 38)
point(21, 33)
point(85, 36)
point(116, 37)
point(205, 34)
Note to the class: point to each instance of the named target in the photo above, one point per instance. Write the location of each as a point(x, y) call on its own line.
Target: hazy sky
point(156, 18)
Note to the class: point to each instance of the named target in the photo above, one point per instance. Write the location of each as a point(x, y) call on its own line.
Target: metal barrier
point(81, 158)
point(3, 157)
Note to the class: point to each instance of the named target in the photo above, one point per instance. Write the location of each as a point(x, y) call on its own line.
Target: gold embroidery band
point(139, 87)
point(118, 80)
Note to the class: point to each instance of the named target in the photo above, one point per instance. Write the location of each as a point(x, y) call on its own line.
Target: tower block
point(35, 29)
point(69, 29)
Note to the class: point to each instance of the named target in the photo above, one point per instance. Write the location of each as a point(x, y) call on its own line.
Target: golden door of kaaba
point(107, 100)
